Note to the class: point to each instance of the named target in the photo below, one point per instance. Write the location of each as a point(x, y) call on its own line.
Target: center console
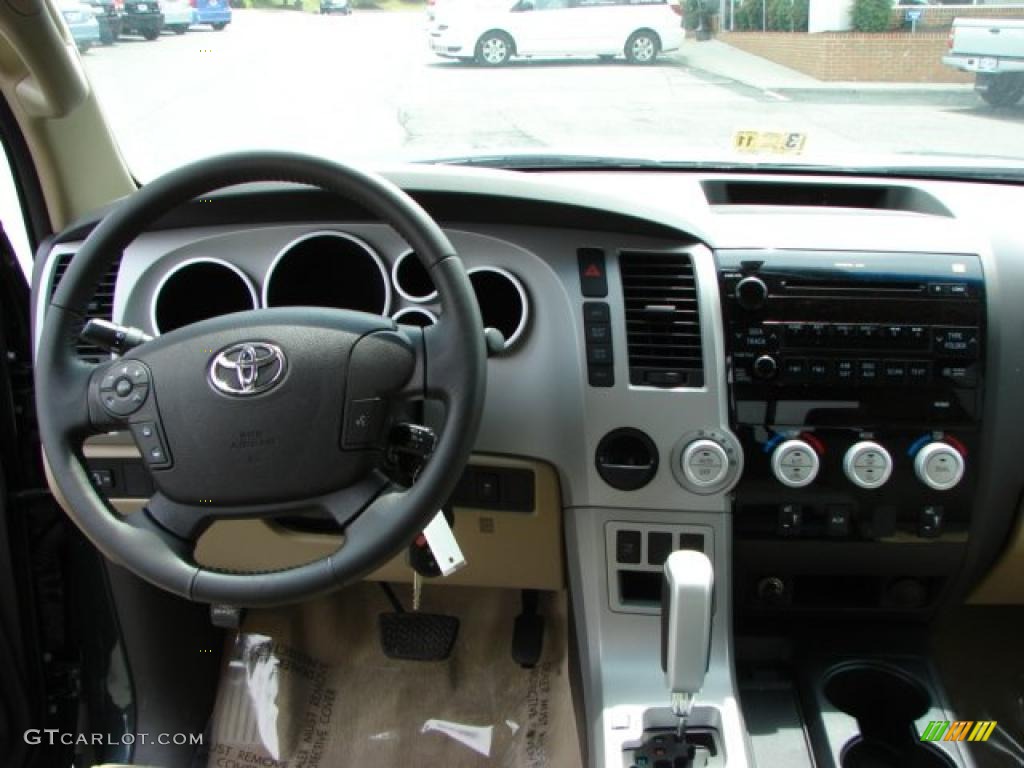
point(856, 391)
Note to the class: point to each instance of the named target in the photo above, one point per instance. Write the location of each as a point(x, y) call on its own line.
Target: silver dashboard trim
point(370, 250)
point(398, 285)
point(524, 320)
point(155, 295)
point(405, 311)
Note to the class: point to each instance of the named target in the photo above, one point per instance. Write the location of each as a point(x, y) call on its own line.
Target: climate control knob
point(940, 466)
point(751, 293)
point(795, 463)
point(867, 464)
point(705, 463)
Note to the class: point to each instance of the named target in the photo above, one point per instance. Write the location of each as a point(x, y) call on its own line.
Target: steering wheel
point(265, 413)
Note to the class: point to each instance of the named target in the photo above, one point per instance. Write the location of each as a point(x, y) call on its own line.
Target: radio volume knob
point(940, 466)
point(795, 463)
point(751, 293)
point(867, 464)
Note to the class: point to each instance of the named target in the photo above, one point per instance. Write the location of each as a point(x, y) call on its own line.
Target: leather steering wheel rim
point(450, 365)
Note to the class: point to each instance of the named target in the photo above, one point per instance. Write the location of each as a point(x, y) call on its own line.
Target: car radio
point(856, 392)
point(853, 339)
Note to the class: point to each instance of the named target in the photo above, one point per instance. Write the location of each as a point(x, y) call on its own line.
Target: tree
point(871, 15)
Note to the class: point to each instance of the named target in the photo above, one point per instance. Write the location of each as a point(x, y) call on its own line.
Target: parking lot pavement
point(366, 87)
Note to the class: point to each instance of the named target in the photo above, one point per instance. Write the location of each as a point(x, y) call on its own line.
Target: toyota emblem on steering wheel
point(245, 369)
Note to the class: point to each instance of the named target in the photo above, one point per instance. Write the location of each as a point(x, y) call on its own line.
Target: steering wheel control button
point(363, 422)
point(940, 466)
point(795, 463)
point(705, 463)
point(151, 444)
point(124, 389)
point(593, 278)
point(597, 334)
point(867, 464)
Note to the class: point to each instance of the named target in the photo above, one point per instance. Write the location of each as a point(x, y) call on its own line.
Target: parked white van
point(491, 32)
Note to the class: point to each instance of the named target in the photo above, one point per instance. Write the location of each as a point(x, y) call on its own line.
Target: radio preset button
point(818, 334)
point(867, 464)
point(868, 371)
point(794, 369)
point(894, 371)
point(958, 342)
point(846, 371)
point(869, 334)
point(818, 370)
point(918, 371)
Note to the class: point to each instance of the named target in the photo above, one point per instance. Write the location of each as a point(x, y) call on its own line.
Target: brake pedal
point(414, 636)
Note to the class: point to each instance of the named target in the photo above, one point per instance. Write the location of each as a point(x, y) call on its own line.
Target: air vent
point(101, 305)
point(878, 197)
point(662, 321)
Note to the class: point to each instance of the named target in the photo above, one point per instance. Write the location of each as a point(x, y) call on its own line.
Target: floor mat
point(309, 686)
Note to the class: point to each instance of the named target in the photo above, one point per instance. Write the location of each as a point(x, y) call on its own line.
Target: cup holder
point(885, 702)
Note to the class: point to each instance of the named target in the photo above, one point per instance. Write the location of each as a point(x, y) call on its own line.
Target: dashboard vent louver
point(101, 306)
point(662, 319)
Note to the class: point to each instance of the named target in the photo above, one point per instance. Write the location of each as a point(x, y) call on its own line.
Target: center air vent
point(662, 321)
point(101, 306)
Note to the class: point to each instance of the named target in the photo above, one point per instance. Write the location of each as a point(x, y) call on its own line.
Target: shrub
point(748, 15)
point(698, 13)
point(871, 15)
point(782, 15)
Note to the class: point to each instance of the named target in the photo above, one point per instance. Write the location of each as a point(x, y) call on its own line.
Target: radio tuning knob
point(751, 293)
point(765, 367)
point(940, 466)
point(795, 463)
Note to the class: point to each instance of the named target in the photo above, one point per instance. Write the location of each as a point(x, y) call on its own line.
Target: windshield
point(848, 84)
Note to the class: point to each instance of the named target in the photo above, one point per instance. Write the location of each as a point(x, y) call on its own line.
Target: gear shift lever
point(686, 627)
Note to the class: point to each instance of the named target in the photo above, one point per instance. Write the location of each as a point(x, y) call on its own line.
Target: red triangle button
point(592, 271)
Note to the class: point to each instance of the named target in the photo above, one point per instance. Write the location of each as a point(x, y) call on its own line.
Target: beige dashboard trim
point(1004, 584)
point(503, 549)
point(521, 550)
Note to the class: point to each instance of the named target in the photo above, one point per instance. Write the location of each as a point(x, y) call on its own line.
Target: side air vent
point(662, 321)
point(101, 306)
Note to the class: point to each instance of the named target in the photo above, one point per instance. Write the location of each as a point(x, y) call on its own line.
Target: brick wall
point(938, 18)
point(892, 57)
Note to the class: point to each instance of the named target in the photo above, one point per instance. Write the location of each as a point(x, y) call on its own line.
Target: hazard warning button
point(593, 280)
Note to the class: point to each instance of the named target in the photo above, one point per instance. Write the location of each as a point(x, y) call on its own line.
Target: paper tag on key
point(443, 545)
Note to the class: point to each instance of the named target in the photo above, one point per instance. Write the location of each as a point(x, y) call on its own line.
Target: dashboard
point(830, 365)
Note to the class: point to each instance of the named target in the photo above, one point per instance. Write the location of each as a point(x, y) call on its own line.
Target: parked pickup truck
point(994, 50)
